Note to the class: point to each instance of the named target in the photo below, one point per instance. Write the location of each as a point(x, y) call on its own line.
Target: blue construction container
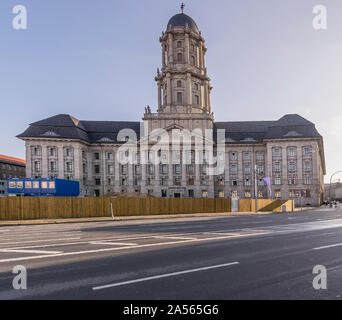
point(43, 187)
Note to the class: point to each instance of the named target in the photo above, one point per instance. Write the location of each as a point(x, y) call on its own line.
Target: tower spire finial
point(182, 7)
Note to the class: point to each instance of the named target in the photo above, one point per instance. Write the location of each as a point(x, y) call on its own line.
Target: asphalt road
point(233, 257)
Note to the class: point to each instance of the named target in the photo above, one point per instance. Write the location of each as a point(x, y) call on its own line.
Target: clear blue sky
point(97, 60)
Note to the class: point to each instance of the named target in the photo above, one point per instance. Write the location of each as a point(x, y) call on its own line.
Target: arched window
point(179, 83)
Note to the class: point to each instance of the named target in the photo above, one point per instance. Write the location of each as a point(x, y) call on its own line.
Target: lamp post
point(256, 187)
point(339, 171)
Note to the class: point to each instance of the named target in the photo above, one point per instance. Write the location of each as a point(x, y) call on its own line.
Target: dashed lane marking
point(165, 275)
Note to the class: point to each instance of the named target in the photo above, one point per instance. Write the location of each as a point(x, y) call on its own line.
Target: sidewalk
point(130, 218)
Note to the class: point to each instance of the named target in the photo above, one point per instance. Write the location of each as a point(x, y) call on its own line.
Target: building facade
point(10, 167)
point(278, 159)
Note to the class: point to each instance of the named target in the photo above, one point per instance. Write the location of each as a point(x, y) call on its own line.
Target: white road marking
point(171, 237)
point(329, 246)
point(113, 243)
point(29, 251)
point(166, 275)
point(42, 240)
point(112, 249)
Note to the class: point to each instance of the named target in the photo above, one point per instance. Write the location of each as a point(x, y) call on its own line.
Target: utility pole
point(256, 188)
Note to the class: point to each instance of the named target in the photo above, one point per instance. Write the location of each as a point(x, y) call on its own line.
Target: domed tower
point(183, 85)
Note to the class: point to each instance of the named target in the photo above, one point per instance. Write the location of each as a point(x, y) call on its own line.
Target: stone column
point(44, 164)
point(205, 98)
point(170, 169)
point(300, 175)
point(60, 153)
point(28, 167)
point(117, 186)
point(159, 95)
point(170, 49)
point(169, 89)
point(200, 62)
point(163, 55)
point(187, 48)
point(189, 89)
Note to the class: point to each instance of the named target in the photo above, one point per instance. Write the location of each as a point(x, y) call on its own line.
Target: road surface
point(233, 257)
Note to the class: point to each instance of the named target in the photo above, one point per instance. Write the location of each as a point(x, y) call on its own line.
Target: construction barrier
point(25, 208)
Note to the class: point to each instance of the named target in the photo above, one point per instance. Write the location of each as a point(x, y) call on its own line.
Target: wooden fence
point(24, 208)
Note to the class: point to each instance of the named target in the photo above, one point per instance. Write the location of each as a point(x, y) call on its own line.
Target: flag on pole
point(267, 180)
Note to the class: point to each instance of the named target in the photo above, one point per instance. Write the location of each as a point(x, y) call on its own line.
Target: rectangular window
point(177, 181)
point(247, 168)
point(110, 169)
point(221, 194)
point(291, 151)
point(28, 184)
point(260, 156)
point(151, 169)
point(277, 180)
point(276, 152)
point(53, 152)
point(177, 169)
point(51, 185)
point(246, 156)
point(233, 156)
point(248, 181)
point(123, 169)
point(277, 166)
point(164, 169)
point(179, 97)
point(307, 165)
point(307, 151)
point(37, 166)
point(191, 181)
point(307, 179)
point(292, 166)
point(190, 169)
point(233, 168)
point(69, 166)
point(137, 170)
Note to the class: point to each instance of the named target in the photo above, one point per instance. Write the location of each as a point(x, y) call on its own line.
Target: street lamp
point(340, 171)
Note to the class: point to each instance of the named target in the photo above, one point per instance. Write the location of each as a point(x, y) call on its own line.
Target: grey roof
point(64, 126)
point(181, 20)
point(289, 126)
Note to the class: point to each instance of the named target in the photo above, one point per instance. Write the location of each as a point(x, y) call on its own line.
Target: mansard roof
point(289, 126)
point(64, 126)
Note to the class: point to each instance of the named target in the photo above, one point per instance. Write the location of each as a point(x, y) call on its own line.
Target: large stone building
point(10, 167)
point(287, 152)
